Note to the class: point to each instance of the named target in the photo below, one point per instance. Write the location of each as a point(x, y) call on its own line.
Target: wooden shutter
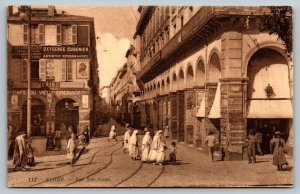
point(63, 70)
point(24, 70)
point(41, 29)
point(42, 69)
point(74, 34)
point(69, 70)
point(58, 34)
point(25, 33)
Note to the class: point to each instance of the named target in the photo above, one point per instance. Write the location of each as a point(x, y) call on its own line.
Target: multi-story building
point(64, 70)
point(212, 69)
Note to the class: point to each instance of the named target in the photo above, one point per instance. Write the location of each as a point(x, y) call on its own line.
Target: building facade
point(64, 71)
point(212, 69)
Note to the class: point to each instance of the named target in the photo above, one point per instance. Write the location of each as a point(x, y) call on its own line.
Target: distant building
point(104, 94)
point(64, 75)
point(211, 69)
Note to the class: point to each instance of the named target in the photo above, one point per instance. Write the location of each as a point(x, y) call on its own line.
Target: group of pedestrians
point(150, 150)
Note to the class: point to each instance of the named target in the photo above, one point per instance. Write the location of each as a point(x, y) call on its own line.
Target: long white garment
point(161, 153)
point(126, 140)
point(133, 145)
point(154, 146)
point(112, 133)
point(146, 143)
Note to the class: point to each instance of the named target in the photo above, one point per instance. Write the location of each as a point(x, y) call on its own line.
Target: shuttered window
point(69, 70)
point(63, 70)
point(74, 34)
point(41, 29)
point(24, 70)
point(42, 70)
point(25, 33)
point(58, 34)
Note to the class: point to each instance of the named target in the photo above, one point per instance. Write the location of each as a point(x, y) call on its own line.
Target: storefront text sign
point(43, 92)
point(51, 52)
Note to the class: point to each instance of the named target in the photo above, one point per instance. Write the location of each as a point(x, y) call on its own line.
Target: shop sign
point(85, 101)
point(14, 101)
point(71, 84)
point(51, 52)
point(44, 92)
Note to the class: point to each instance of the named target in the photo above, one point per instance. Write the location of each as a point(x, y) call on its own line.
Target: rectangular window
point(24, 70)
point(69, 34)
point(64, 71)
point(41, 29)
point(25, 33)
point(35, 70)
point(35, 36)
point(69, 70)
point(42, 70)
point(83, 35)
point(58, 34)
point(74, 34)
point(50, 35)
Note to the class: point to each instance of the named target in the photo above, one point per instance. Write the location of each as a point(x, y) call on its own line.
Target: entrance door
point(38, 116)
point(67, 113)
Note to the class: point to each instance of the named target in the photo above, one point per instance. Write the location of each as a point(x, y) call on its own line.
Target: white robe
point(112, 134)
point(154, 147)
point(126, 140)
point(146, 143)
point(133, 145)
point(161, 153)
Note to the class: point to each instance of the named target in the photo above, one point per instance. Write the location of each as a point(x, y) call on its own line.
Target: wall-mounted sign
point(82, 69)
point(45, 92)
point(51, 52)
point(14, 101)
point(71, 84)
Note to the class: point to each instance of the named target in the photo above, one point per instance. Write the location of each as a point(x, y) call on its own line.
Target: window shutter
point(69, 70)
point(41, 33)
point(74, 34)
point(42, 69)
point(25, 33)
point(58, 34)
point(24, 70)
point(63, 70)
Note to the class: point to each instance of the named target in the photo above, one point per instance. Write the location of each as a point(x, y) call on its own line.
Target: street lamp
point(25, 15)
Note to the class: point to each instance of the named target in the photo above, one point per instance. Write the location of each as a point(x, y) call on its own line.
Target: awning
point(215, 111)
point(201, 110)
point(270, 109)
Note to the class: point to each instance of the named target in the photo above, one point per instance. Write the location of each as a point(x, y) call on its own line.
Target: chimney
point(51, 10)
point(10, 10)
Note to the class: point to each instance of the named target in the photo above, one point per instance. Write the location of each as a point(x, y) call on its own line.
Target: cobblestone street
point(104, 164)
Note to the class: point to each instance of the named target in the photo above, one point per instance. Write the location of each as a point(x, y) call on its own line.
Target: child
point(172, 154)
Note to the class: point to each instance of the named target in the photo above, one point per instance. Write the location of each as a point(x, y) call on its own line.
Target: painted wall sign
point(14, 101)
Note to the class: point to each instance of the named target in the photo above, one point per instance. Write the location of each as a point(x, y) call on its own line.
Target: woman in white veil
point(133, 145)
point(146, 143)
point(154, 146)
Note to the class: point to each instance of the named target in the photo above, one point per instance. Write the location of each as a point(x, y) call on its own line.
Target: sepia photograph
point(150, 96)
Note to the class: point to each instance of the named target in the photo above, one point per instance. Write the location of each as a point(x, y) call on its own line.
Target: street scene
point(150, 96)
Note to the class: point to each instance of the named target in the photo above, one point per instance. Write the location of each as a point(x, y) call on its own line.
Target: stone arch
point(181, 79)
point(174, 82)
point(214, 67)
point(200, 75)
point(189, 76)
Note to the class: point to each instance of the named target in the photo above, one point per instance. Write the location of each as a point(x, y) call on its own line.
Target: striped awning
point(264, 108)
point(215, 111)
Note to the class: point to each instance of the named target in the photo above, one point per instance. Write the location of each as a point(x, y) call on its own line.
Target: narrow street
point(104, 164)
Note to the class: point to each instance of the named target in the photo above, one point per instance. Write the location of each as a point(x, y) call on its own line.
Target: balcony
point(192, 36)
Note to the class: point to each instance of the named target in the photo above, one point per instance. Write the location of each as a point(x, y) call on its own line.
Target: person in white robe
point(71, 149)
point(126, 139)
point(133, 145)
point(146, 143)
point(112, 133)
point(154, 146)
point(161, 152)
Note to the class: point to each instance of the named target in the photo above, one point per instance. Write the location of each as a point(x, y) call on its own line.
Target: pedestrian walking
point(71, 149)
point(154, 146)
point(86, 135)
point(57, 140)
point(161, 152)
point(69, 131)
point(211, 141)
point(50, 138)
point(20, 153)
point(172, 154)
point(134, 146)
point(251, 144)
point(146, 143)
point(112, 133)
point(126, 138)
point(277, 147)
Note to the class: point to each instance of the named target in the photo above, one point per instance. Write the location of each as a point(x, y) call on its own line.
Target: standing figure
point(161, 152)
point(133, 145)
point(277, 147)
point(20, 153)
point(87, 135)
point(69, 132)
point(126, 139)
point(251, 144)
point(50, 138)
point(146, 143)
point(154, 146)
point(172, 154)
point(71, 149)
point(57, 140)
point(112, 133)
point(166, 131)
point(211, 141)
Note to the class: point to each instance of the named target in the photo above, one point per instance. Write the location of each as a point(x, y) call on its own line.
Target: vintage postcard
point(150, 96)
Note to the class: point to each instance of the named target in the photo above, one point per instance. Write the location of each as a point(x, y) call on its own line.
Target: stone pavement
point(104, 164)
